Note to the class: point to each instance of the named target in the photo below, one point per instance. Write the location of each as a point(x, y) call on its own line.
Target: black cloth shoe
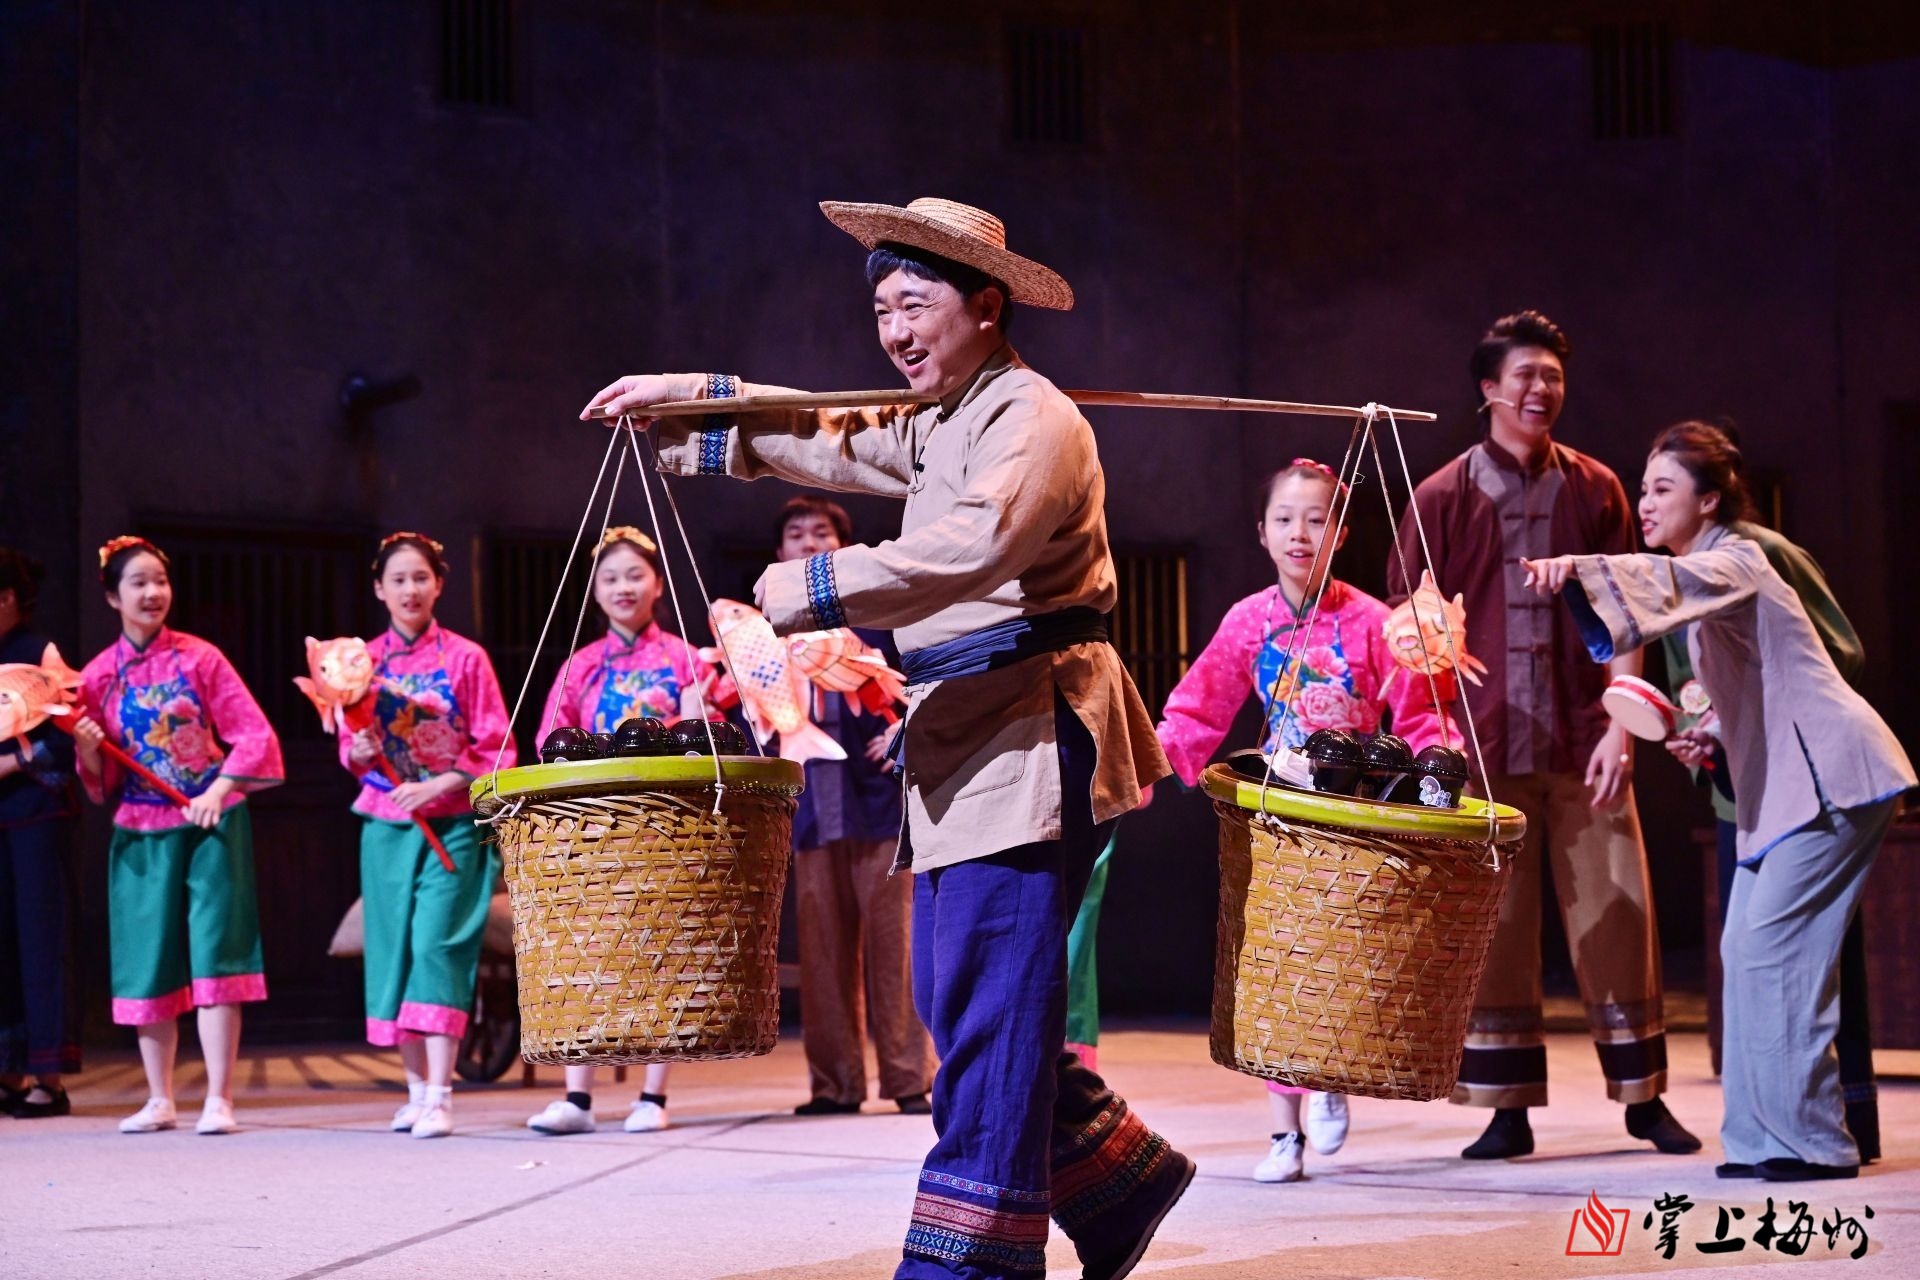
point(1732, 1170)
point(57, 1104)
point(826, 1107)
point(1782, 1169)
point(1863, 1122)
point(1651, 1122)
point(914, 1104)
point(1123, 1260)
point(1508, 1135)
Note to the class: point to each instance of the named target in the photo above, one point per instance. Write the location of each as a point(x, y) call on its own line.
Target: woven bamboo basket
point(1352, 936)
point(646, 928)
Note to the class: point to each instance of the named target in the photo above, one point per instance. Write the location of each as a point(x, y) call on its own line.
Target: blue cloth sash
point(1000, 645)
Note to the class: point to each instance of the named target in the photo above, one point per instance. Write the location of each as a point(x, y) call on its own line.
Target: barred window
point(1149, 623)
point(1633, 80)
point(477, 40)
point(518, 574)
point(1048, 86)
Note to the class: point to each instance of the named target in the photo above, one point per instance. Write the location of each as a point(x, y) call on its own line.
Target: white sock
point(438, 1095)
point(416, 1091)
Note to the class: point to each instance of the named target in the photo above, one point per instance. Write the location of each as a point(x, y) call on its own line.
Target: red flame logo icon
point(1596, 1231)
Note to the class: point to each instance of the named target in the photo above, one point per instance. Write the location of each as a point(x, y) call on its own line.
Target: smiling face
point(1293, 528)
point(1673, 511)
point(409, 589)
point(626, 588)
point(935, 335)
point(1533, 382)
point(144, 595)
point(807, 534)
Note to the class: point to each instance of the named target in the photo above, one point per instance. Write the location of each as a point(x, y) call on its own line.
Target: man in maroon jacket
point(1548, 745)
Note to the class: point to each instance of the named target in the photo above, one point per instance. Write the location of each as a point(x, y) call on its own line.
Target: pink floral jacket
point(1335, 684)
point(437, 709)
point(170, 706)
point(615, 678)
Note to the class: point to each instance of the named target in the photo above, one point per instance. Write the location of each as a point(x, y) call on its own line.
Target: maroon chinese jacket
point(1538, 709)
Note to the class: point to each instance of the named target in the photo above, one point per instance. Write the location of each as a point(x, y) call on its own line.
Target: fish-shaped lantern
point(339, 681)
point(773, 690)
point(1427, 632)
point(339, 677)
point(839, 661)
point(30, 694)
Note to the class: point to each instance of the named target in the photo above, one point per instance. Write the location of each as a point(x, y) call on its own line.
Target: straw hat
point(957, 231)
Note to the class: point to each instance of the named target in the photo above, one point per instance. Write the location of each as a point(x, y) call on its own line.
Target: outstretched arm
point(852, 450)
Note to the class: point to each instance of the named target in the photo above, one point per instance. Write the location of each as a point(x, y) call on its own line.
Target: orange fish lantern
point(29, 695)
point(339, 682)
point(339, 677)
point(1428, 633)
point(773, 691)
point(839, 661)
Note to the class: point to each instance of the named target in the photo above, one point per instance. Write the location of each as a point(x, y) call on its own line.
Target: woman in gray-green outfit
point(439, 720)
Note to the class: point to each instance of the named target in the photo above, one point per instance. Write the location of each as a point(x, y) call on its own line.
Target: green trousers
point(423, 926)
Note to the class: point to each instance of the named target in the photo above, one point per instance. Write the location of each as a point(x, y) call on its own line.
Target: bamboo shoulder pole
point(1117, 399)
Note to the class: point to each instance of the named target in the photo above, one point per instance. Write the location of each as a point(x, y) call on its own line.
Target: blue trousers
point(1024, 1130)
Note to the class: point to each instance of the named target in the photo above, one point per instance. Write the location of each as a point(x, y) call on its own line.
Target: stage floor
point(316, 1186)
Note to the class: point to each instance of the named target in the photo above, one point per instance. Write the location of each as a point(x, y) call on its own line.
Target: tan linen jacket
point(1005, 518)
point(1791, 726)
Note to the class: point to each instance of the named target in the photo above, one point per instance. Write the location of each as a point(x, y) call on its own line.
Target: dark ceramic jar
point(640, 736)
point(566, 743)
point(1335, 759)
point(1439, 776)
point(1385, 764)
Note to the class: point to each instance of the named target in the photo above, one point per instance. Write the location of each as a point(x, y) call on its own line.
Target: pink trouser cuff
point(240, 988)
point(415, 1021)
point(432, 1019)
point(1274, 1086)
point(150, 1009)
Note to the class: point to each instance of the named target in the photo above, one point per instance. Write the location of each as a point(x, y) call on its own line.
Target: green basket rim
point(491, 792)
point(1384, 818)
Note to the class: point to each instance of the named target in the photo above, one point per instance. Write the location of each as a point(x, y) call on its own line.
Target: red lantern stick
point(113, 751)
point(359, 716)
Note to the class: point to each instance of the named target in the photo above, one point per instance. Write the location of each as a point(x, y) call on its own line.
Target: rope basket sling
point(1353, 934)
point(646, 890)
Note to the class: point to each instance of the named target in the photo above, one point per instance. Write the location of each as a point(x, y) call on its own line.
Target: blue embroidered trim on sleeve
point(713, 439)
point(713, 453)
point(823, 593)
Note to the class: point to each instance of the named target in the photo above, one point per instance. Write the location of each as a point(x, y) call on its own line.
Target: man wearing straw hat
point(1024, 742)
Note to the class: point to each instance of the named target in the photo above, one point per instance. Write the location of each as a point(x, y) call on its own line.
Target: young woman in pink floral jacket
point(1334, 678)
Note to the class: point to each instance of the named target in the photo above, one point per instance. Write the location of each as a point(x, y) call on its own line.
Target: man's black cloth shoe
point(1122, 1261)
point(826, 1107)
point(914, 1104)
point(1651, 1122)
point(1508, 1135)
point(1783, 1169)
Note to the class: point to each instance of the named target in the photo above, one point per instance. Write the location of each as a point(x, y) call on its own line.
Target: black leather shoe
point(1652, 1122)
point(1782, 1169)
point(1733, 1170)
point(1508, 1135)
point(826, 1107)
